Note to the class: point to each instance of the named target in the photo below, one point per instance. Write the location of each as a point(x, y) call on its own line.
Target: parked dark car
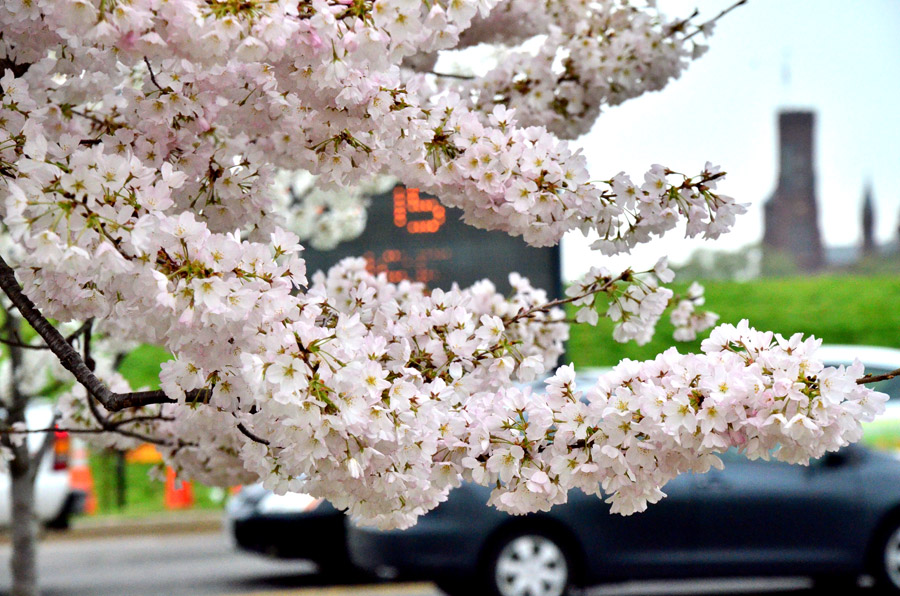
point(291, 526)
point(835, 519)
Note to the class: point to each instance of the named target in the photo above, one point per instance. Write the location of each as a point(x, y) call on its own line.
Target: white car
point(54, 499)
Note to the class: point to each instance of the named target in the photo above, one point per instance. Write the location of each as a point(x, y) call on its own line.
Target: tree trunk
point(23, 563)
point(22, 472)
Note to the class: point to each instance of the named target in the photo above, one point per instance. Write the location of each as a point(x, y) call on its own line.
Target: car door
point(776, 518)
point(653, 543)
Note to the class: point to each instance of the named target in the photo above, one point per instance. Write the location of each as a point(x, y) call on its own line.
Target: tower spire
point(868, 220)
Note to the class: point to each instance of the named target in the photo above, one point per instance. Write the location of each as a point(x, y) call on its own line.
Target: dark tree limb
point(69, 357)
point(17, 69)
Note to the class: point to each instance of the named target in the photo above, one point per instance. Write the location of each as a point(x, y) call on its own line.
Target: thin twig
point(450, 75)
point(141, 437)
point(20, 344)
point(702, 26)
point(117, 423)
point(71, 337)
point(42, 451)
point(51, 429)
point(246, 432)
point(109, 126)
point(152, 76)
point(875, 378)
point(86, 347)
point(560, 301)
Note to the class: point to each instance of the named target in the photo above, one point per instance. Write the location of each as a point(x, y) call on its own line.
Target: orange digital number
point(397, 265)
point(406, 201)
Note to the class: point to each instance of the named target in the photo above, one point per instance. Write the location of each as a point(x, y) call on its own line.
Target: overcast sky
point(843, 60)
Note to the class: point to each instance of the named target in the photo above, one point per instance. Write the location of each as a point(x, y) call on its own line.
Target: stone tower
point(868, 221)
point(791, 214)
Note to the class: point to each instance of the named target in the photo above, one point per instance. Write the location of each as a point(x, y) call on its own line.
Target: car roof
point(870, 356)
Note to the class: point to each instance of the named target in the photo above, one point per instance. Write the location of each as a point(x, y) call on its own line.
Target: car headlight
point(287, 503)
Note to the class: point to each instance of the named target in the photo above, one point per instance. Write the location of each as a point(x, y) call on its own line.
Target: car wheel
point(60, 522)
point(529, 563)
point(344, 572)
point(459, 586)
point(887, 563)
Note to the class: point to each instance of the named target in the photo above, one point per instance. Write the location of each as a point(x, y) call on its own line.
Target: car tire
point(844, 584)
point(61, 522)
point(456, 586)
point(529, 562)
point(343, 572)
point(886, 560)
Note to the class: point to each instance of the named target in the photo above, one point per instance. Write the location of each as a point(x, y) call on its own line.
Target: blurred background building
point(791, 216)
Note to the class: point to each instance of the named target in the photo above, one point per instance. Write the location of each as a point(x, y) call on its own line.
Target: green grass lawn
point(143, 493)
point(838, 309)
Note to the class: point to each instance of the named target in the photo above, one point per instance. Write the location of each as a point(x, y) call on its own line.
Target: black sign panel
point(412, 236)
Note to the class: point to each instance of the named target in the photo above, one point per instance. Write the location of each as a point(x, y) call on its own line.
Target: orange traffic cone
point(179, 494)
point(80, 477)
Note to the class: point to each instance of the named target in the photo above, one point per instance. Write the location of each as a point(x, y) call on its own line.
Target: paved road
point(206, 565)
point(187, 564)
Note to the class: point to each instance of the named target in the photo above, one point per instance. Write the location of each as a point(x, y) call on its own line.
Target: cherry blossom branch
point(134, 419)
point(250, 435)
point(152, 76)
point(20, 344)
point(875, 378)
point(452, 76)
point(545, 308)
point(69, 357)
point(704, 25)
point(42, 450)
point(107, 426)
point(50, 429)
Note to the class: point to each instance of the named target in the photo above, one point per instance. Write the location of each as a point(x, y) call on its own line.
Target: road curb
point(84, 528)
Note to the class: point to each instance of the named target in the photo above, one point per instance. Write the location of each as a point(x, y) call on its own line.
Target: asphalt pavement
point(188, 553)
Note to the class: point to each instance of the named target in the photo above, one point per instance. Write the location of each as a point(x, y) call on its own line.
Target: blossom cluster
point(140, 150)
point(591, 55)
point(323, 218)
point(353, 385)
point(646, 422)
point(687, 320)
